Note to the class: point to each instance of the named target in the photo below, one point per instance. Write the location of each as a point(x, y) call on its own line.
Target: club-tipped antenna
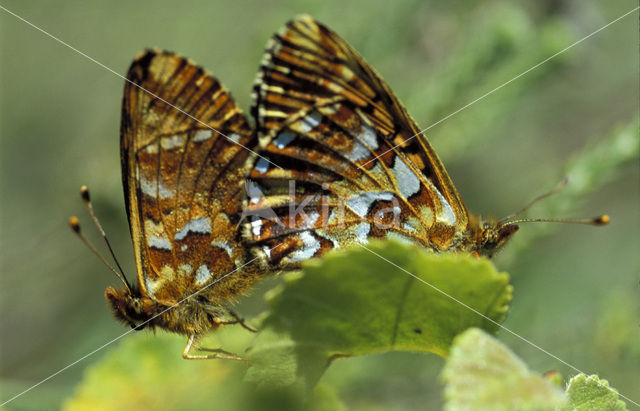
point(84, 192)
point(75, 226)
point(601, 220)
point(562, 184)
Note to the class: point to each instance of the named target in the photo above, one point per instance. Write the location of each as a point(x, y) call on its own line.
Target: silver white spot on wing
point(202, 135)
point(202, 275)
point(358, 152)
point(267, 251)
point(310, 246)
point(362, 231)
point(184, 247)
point(256, 227)
point(311, 219)
point(153, 189)
point(253, 192)
point(408, 182)
point(201, 226)
point(169, 143)
point(262, 166)
point(234, 137)
point(159, 243)
point(361, 203)
point(284, 139)
point(164, 192)
point(448, 217)
point(310, 121)
point(148, 188)
point(369, 137)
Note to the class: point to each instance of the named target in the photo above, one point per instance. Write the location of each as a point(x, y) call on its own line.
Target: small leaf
point(592, 393)
point(147, 372)
point(482, 373)
point(354, 302)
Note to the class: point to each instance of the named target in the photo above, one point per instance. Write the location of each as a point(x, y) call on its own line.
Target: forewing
point(325, 115)
point(182, 139)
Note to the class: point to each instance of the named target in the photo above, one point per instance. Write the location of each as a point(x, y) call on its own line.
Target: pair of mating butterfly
point(208, 198)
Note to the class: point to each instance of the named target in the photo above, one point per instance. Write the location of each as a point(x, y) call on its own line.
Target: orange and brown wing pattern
point(182, 139)
point(327, 118)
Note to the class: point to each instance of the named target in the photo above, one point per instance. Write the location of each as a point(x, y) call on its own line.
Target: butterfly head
point(130, 307)
point(492, 236)
point(127, 303)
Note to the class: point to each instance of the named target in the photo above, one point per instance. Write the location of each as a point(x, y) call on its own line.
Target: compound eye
point(486, 225)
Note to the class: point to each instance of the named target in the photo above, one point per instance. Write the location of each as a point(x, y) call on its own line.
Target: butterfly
point(183, 153)
point(361, 168)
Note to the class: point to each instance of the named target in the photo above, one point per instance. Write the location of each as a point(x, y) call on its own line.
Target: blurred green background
point(576, 291)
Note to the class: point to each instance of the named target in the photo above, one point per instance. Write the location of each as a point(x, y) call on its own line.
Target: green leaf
point(354, 302)
point(482, 373)
point(592, 393)
point(146, 371)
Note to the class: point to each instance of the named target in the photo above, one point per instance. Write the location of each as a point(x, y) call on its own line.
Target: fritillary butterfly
point(359, 162)
point(183, 157)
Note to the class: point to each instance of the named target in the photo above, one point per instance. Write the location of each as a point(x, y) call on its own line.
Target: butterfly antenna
point(74, 223)
point(562, 184)
point(84, 192)
point(86, 199)
point(601, 220)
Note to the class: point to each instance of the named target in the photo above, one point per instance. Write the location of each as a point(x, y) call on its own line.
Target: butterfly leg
point(238, 320)
point(217, 353)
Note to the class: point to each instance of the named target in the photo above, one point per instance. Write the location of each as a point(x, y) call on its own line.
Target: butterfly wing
point(333, 124)
point(182, 139)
